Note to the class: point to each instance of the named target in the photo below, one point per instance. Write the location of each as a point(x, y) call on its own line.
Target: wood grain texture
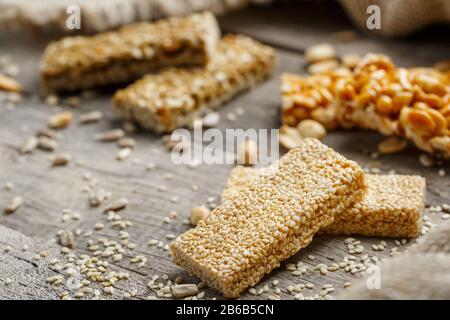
point(48, 191)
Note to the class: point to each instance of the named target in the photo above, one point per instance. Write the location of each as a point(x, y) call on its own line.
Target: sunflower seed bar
point(173, 98)
point(392, 207)
point(414, 103)
point(85, 62)
point(248, 235)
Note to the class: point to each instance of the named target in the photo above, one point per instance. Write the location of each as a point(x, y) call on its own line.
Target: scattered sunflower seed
point(9, 84)
point(14, 204)
point(49, 133)
point(350, 60)
point(311, 129)
point(52, 100)
point(8, 186)
point(123, 154)
point(99, 226)
point(320, 52)
point(426, 160)
point(289, 137)
point(91, 117)
point(129, 127)
point(323, 66)
point(211, 119)
point(184, 290)
point(61, 159)
point(29, 145)
point(97, 197)
point(47, 144)
point(117, 205)
point(111, 135)
point(231, 117)
point(126, 142)
point(66, 238)
point(73, 101)
point(60, 120)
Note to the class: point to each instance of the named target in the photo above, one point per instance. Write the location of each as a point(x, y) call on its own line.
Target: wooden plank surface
point(48, 191)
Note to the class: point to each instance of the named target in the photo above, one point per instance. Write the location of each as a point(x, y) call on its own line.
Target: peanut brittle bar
point(85, 62)
point(392, 206)
point(414, 103)
point(250, 233)
point(173, 98)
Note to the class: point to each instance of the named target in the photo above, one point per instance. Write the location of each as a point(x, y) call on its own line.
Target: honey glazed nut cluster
point(84, 62)
point(413, 103)
point(250, 233)
point(392, 206)
point(173, 98)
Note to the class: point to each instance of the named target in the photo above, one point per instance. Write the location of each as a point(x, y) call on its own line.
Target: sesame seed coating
point(392, 206)
point(250, 233)
point(85, 62)
point(173, 98)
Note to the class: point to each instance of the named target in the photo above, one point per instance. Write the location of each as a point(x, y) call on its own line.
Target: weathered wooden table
point(48, 191)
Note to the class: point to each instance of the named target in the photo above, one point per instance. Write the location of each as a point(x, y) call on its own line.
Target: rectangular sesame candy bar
point(173, 98)
point(392, 206)
point(250, 233)
point(86, 62)
point(414, 102)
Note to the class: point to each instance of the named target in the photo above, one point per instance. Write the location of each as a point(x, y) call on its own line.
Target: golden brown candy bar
point(250, 233)
point(85, 62)
point(392, 207)
point(414, 103)
point(173, 98)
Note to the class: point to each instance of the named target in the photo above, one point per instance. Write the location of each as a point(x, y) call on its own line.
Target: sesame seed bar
point(85, 62)
point(173, 98)
point(392, 206)
point(414, 102)
point(250, 233)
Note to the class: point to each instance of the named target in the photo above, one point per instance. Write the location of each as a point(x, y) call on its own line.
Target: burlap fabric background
point(100, 15)
point(398, 17)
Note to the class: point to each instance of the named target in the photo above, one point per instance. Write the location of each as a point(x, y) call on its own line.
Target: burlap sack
point(101, 15)
point(399, 17)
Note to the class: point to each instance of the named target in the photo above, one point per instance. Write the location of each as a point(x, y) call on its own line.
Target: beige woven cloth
point(399, 17)
point(101, 15)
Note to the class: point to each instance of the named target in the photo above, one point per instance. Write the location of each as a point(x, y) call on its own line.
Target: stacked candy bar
point(85, 62)
point(392, 207)
point(250, 233)
point(173, 98)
